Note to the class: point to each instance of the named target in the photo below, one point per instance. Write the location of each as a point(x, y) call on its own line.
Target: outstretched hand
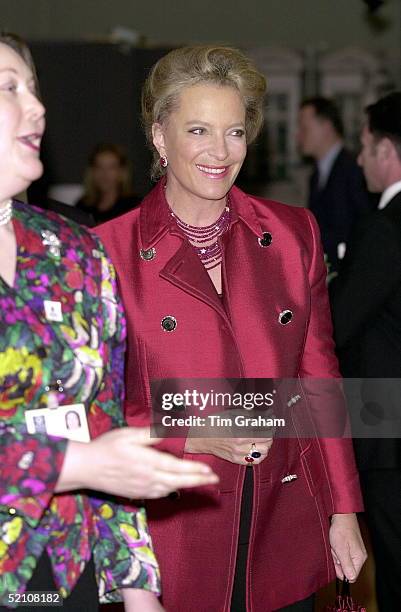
point(121, 462)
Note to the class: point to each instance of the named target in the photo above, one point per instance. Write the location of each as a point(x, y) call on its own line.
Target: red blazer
point(195, 535)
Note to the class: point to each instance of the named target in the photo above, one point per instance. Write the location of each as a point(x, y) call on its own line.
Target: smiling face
point(205, 144)
point(21, 125)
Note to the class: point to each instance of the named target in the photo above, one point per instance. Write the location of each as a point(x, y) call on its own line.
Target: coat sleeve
point(30, 467)
point(123, 552)
point(365, 281)
point(319, 362)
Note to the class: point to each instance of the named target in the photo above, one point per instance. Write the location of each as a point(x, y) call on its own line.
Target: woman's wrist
point(194, 445)
point(77, 467)
point(344, 517)
point(135, 599)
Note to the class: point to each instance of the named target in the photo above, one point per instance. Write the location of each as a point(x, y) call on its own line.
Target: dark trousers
point(84, 597)
point(238, 598)
point(382, 496)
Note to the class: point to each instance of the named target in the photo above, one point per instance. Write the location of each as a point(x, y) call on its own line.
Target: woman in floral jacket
point(62, 333)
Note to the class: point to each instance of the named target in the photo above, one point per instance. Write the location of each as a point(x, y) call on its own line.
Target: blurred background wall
point(286, 22)
point(93, 56)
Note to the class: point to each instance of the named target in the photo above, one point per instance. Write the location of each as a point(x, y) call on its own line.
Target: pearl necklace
point(211, 254)
point(6, 213)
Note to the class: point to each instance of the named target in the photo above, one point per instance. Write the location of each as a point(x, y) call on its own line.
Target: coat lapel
point(184, 269)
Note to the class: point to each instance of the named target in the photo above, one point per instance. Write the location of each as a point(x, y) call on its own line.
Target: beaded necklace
point(205, 240)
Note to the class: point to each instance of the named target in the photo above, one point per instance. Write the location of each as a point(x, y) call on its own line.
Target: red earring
point(163, 161)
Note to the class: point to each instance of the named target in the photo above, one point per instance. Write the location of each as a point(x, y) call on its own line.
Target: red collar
point(155, 220)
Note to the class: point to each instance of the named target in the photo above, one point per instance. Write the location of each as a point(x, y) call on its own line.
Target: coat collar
point(155, 220)
point(389, 194)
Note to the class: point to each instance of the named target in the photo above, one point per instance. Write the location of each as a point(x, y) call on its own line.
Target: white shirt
point(325, 164)
point(388, 194)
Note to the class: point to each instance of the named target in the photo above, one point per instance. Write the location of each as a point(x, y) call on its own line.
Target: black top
point(71, 212)
point(122, 205)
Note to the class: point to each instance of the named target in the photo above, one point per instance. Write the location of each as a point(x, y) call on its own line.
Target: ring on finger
point(254, 453)
point(248, 458)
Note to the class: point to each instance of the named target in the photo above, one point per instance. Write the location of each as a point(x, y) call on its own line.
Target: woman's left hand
point(347, 547)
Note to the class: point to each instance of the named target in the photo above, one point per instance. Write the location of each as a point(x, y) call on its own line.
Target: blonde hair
point(189, 66)
point(91, 192)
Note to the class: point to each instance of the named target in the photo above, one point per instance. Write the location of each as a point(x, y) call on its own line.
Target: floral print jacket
point(80, 359)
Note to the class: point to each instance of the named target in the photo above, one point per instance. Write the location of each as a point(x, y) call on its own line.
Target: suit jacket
point(196, 534)
point(366, 308)
point(83, 349)
point(337, 206)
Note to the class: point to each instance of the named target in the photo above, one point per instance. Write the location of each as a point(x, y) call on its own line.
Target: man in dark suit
point(338, 194)
point(366, 305)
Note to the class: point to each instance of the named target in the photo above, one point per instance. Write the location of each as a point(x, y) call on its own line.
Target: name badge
point(53, 310)
point(67, 421)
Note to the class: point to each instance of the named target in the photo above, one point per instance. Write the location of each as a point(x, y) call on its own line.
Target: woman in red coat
point(219, 284)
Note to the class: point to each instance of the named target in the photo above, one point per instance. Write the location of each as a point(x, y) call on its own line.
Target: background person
point(227, 285)
point(108, 189)
point(366, 306)
point(337, 190)
point(62, 333)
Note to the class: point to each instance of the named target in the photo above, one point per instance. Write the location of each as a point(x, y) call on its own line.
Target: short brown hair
point(325, 108)
point(189, 66)
point(17, 44)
